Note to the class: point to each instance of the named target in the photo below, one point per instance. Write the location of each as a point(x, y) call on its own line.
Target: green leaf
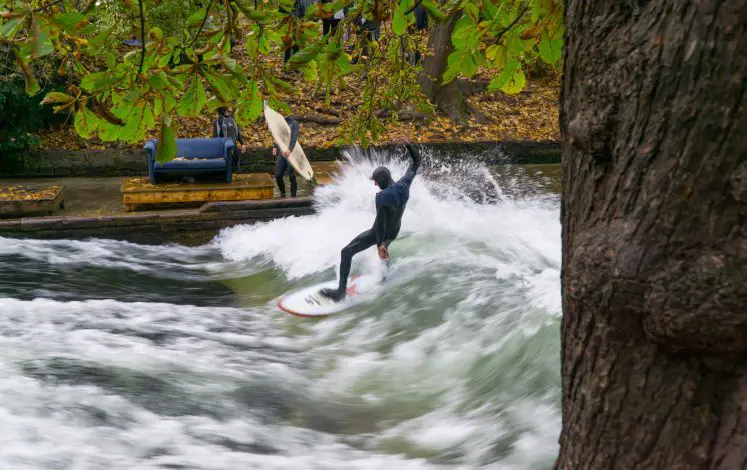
point(197, 17)
point(41, 45)
point(86, 122)
point(149, 120)
point(55, 97)
point(459, 62)
point(453, 64)
point(111, 60)
point(32, 86)
point(155, 33)
point(101, 38)
point(9, 28)
point(137, 121)
point(70, 20)
point(434, 11)
point(233, 66)
point(334, 48)
point(494, 53)
point(511, 80)
point(166, 149)
point(250, 104)
point(219, 85)
point(305, 55)
point(551, 50)
point(92, 81)
point(279, 106)
point(158, 80)
point(515, 84)
point(399, 22)
point(252, 46)
point(464, 30)
point(264, 45)
point(311, 72)
point(108, 132)
point(193, 100)
point(472, 11)
point(170, 101)
point(157, 105)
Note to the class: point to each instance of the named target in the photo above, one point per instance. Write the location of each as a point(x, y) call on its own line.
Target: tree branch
point(142, 38)
point(317, 119)
point(48, 5)
point(513, 23)
point(202, 25)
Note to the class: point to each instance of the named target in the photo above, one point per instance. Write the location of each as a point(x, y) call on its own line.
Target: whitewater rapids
point(122, 356)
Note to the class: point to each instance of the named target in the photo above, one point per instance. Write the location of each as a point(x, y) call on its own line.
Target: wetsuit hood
point(382, 177)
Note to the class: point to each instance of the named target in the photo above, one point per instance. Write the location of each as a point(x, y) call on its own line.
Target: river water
point(122, 356)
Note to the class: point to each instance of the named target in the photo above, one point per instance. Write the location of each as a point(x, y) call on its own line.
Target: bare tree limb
point(202, 25)
point(48, 5)
point(142, 38)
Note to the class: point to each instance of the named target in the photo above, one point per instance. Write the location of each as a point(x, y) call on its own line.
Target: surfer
point(390, 205)
point(282, 164)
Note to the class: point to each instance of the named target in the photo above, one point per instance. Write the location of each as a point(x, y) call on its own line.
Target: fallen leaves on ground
point(28, 193)
point(529, 115)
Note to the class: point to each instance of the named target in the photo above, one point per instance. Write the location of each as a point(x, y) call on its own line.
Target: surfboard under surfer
point(390, 205)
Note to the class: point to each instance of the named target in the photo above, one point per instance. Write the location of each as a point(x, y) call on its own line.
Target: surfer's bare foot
point(333, 294)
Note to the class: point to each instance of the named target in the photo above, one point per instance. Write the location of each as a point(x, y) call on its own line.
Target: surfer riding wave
point(390, 205)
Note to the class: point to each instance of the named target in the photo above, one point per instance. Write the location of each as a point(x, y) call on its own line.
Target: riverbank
point(112, 162)
point(94, 209)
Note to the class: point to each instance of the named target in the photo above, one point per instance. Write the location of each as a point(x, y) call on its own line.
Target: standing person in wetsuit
point(225, 126)
point(282, 164)
point(390, 205)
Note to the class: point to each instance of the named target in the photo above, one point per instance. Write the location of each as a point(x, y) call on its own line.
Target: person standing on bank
point(282, 164)
point(225, 126)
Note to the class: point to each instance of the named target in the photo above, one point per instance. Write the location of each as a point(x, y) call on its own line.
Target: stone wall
point(133, 162)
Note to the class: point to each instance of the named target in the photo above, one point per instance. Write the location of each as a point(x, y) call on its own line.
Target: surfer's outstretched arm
point(413, 168)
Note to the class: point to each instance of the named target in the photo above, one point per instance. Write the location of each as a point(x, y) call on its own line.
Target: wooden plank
point(240, 181)
point(139, 192)
point(28, 199)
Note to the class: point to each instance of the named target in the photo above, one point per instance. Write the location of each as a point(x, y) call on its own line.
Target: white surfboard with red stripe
point(308, 302)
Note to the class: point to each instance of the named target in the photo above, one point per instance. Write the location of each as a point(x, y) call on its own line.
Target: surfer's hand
point(383, 252)
point(286, 154)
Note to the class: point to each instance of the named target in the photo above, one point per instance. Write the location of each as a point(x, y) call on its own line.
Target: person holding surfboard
point(282, 165)
point(390, 205)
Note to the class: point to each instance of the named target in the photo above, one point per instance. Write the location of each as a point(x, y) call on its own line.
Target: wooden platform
point(30, 199)
point(139, 193)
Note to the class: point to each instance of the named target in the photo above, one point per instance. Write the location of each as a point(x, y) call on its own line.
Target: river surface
point(122, 356)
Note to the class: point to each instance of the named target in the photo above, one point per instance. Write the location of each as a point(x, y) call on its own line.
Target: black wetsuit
point(282, 165)
point(390, 205)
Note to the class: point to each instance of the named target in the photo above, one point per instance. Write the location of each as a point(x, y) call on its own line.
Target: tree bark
point(654, 214)
point(447, 98)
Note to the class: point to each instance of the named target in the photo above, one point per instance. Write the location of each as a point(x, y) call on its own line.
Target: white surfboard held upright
point(281, 134)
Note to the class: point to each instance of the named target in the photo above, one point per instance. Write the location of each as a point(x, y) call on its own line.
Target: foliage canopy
point(183, 60)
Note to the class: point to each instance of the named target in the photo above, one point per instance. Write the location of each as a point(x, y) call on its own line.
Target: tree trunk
point(448, 98)
point(654, 212)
